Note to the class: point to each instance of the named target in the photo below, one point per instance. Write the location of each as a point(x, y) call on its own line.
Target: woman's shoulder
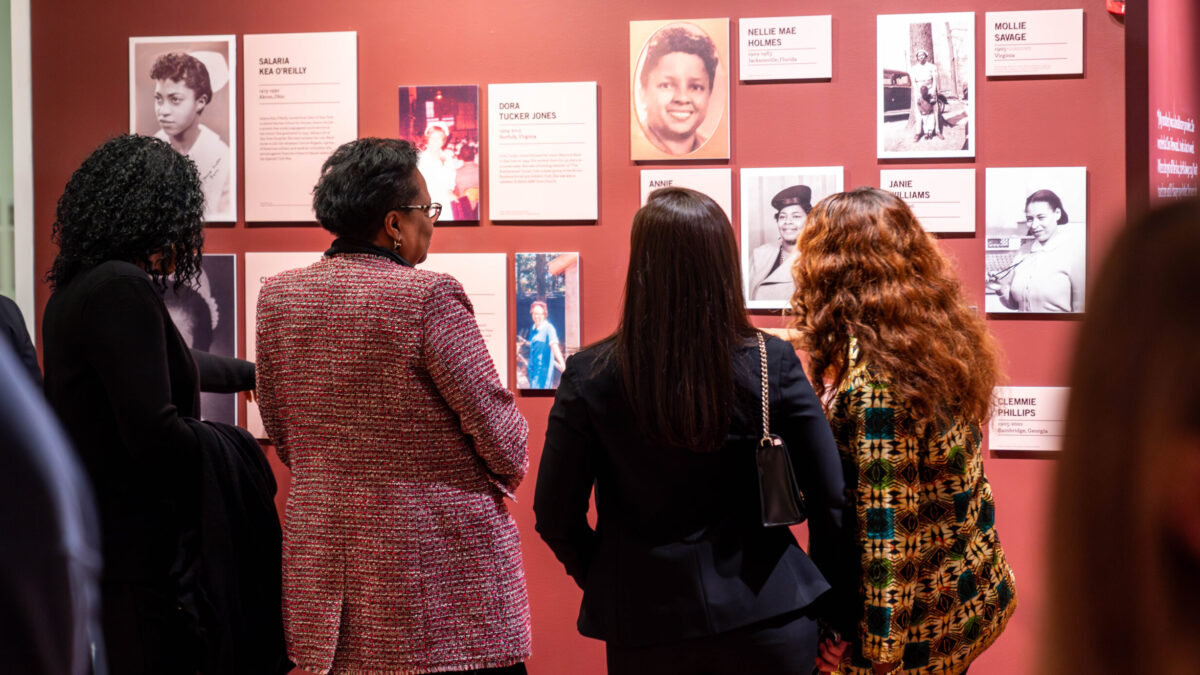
point(594, 355)
point(863, 378)
point(109, 275)
point(595, 363)
point(115, 269)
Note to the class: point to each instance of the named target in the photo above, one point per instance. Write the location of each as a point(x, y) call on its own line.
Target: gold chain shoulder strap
point(766, 406)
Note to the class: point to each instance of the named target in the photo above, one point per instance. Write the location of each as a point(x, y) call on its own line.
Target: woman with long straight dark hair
point(663, 417)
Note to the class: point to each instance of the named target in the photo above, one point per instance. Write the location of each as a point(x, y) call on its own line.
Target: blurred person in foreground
point(1130, 463)
point(873, 293)
point(50, 567)
point(663, 418)
point(377, 389)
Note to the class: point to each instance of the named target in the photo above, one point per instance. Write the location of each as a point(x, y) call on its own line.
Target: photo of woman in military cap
point(775, 204)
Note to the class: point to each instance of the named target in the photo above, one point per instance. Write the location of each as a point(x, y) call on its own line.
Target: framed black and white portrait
point(1036, 242)
point(775, 206)
point(205, 314)
point(183, 90)
point(926, 71)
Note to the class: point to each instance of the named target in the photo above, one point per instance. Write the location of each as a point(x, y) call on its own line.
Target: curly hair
point(181, 66)
point(867, 270)
point(680, 39)
point(361, 181)
point(132, 198)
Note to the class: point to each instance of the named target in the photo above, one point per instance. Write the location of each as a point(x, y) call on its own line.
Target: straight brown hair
point(1124, 597)
point(683, 321)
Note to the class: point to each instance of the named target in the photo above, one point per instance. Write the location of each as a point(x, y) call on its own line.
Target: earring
point(396, 244)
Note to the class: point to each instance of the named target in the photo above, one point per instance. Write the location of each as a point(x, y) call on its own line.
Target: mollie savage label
point(1046, 42)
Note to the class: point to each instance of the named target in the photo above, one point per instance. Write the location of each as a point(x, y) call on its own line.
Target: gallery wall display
point(547, 330)
point(260, 267)
point(679, 83)
point(1028, 418)
point(205, 313)
point(716, 183)
point(942, 199)
point(1035, 42)
point(1036, 241)
point(301, 104)
point(484, 277)
point(785, 48)
point(183, 90)
point(1171, 61)
point(926, 70)
point(443, 122)
point(775, 203)
point(542, 158)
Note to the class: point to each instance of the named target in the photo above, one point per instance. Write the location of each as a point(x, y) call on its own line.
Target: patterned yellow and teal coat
point(934, 585)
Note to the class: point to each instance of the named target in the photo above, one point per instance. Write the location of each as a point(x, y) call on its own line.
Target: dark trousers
point(784, 645)
point(147, 632)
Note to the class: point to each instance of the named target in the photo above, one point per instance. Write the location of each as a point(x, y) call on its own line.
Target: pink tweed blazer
point(399, 553)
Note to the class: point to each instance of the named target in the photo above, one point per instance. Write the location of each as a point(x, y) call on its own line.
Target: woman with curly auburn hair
point(907, 370)
point(126, 388)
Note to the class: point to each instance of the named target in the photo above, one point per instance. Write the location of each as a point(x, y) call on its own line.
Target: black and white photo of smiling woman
point(181, 90)
point(1036, 239)
point(775, 206)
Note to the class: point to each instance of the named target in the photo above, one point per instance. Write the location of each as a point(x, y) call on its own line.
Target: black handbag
point(780, 497)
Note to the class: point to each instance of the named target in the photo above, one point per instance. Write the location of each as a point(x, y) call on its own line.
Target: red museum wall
point(80, 98)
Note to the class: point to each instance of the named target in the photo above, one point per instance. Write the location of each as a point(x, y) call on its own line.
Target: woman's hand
point(829, 655)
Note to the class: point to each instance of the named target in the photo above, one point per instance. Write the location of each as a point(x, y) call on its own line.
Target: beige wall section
point(7, 252)
point(17, 189)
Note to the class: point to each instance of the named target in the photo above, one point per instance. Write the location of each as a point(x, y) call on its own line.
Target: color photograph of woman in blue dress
point(547, 330)
point(545, 352)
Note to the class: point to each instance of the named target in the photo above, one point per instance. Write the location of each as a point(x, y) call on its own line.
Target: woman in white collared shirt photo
point(1049, 276)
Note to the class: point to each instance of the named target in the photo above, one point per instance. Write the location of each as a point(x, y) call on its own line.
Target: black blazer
point(121, 379)
point(12, 327)
point(678, 550)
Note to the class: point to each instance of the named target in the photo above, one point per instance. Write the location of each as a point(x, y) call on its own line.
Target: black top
point(678, 550)
point(121, 378)
point(12, 328)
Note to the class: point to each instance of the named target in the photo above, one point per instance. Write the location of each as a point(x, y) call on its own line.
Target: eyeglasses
point(432, 211)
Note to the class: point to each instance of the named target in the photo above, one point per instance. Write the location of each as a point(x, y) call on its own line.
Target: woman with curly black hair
point(124, 384)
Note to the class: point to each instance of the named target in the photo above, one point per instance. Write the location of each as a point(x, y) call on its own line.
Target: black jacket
point(124, 385)
point(12, 327)
point(678, 550)
point(240, 563)
point(122, 380)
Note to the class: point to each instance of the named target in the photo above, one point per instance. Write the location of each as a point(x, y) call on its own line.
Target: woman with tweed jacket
point(400, 555)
